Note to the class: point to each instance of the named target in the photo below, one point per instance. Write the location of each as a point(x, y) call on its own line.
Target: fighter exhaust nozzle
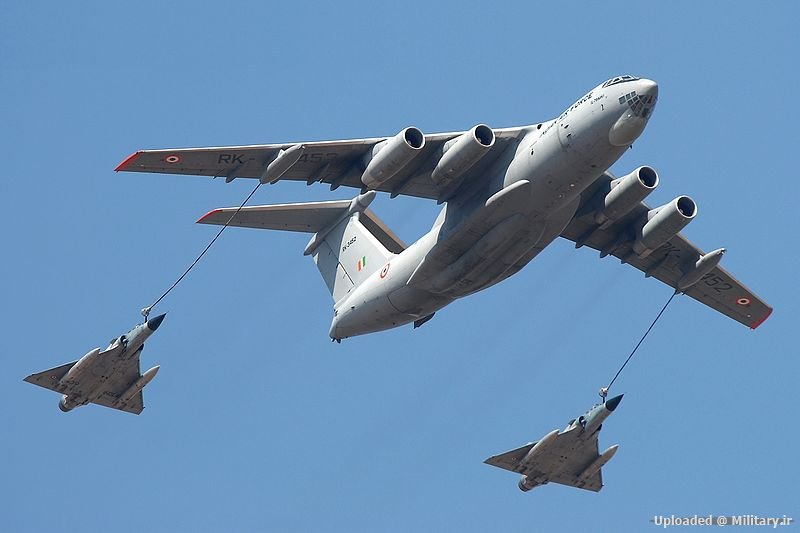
point(66, 404)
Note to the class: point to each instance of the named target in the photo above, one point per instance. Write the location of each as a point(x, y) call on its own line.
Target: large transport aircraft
point(508, 193)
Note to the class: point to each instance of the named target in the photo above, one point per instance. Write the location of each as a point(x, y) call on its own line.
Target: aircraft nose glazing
point(642, 100)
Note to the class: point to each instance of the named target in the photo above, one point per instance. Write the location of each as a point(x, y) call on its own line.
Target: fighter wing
point(126, 375)
point(334, 162)
point(135, 405)
point(562, 461)
point(718, 289)
point(566, 458)
point(510, 460)
point(576, 461)
point(49, 378)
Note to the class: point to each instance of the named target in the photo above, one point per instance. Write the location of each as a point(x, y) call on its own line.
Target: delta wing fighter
point(509, 193)
point(568, 457)
point(110, 377)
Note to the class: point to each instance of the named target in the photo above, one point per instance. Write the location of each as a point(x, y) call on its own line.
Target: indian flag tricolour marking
point(362, 263)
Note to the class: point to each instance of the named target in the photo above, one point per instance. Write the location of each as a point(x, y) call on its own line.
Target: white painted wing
point(510, 460)
point(119, 383)
point(718, 289)
point(337, 163)
point(49, 378)
point(309, 217)
point(561, 462)
point(135, 405)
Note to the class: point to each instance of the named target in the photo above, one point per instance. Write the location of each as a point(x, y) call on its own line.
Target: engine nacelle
point(66, 404)
point(664, 223)
point(461, 153)
point(625, 194)
point(390, 156)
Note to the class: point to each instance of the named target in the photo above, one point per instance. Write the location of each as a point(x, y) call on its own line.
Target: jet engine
point(525, 483)
point(626, 193)
point(663, 223)
point(461, 153)
point(390, 156)
point(66, 404)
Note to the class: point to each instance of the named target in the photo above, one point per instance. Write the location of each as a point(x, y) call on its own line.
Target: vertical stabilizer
point(348, 255)
point(348, 243)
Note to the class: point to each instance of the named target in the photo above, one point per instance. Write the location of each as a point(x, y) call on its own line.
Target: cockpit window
point(640, 105)
point(619, 79)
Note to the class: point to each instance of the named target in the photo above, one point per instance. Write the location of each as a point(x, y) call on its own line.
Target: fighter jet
point(509, 193)
point(569, 457)
point(110, 378)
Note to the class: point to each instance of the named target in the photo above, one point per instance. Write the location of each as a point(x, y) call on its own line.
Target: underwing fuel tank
point(138, 385)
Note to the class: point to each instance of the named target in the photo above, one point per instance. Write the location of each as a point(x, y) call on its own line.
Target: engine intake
point(390, 156)
point(664, 223)
point(625, 194)
point(461, 154)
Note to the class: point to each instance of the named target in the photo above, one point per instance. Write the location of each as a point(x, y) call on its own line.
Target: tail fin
point(349, 243)
point(347, 255)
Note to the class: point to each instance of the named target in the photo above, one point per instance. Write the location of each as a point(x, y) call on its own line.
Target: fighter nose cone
point(153, 323)
point(614, 402)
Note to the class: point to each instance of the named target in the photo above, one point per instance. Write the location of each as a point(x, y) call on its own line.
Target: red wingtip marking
point(202, 218)
point(762, 320)
point(128, 159)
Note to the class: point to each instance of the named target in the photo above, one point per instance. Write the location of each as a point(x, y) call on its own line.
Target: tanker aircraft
point(508, 194)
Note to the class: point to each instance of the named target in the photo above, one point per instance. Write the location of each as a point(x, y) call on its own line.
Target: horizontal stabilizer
point(308, 217)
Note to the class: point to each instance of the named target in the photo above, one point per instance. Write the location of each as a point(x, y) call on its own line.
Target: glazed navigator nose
point(638, 101)
point(647, 88)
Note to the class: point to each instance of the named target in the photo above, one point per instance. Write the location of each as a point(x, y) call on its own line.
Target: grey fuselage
point(100, 372)
point(532, 194)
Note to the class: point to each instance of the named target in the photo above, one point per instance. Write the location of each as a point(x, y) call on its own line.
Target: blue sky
point(256, 421)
